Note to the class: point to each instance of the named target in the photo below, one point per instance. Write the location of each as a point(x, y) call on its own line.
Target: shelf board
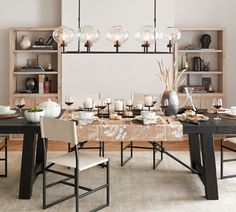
point(35, 95)
point(200, 51)
point(36, 51)
point(203, 72)
point(202, 94)
point(34, 72)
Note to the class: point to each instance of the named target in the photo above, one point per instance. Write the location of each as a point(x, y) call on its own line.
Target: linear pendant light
point(117, 35)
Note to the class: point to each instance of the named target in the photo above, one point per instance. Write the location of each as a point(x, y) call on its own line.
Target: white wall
point(208, 13)
point(115, 75)
point(187, 13)
point(13, 13)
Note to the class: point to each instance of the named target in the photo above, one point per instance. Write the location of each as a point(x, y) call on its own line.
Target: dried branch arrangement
point(165, 76)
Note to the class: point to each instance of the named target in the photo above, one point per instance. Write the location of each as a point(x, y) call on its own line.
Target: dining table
point(201, 147)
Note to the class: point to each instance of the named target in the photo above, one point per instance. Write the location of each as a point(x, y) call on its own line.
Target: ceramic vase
point(25, 42)
point(173, 100)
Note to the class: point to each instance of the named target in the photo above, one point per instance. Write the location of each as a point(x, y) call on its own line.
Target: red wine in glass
point(217, 107)
point(69, 103)
point(217, 104)
point(20, 106)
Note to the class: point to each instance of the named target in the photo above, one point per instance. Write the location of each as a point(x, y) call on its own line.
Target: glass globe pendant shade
point(63, 35)
point(88, 35)
point(171, 36)
point(147, 35)
point(117, 35)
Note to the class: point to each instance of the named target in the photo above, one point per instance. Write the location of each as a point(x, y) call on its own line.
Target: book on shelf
point(46, 47)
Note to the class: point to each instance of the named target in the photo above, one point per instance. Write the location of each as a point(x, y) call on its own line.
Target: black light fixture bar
point(117, 52)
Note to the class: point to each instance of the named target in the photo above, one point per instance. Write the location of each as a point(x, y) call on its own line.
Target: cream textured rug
point(134, 187)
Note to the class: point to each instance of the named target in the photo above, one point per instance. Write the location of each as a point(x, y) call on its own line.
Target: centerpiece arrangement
point(170, 100)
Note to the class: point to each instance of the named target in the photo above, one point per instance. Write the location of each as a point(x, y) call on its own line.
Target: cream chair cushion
point(86, 160)
point(232, 140)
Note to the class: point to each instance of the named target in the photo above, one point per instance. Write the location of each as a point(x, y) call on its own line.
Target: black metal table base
point(155, 148)
point(4, 159)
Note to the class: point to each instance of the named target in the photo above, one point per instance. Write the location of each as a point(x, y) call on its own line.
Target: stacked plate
point(6, 110)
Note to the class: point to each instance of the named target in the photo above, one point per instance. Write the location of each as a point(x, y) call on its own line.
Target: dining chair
point(155, 146)
point(222, 160)
point(3, 145)
point(55, 129)
point(79, 99)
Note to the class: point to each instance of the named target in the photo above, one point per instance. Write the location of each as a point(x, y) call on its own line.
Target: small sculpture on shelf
point(25, 42)
point(205, 41)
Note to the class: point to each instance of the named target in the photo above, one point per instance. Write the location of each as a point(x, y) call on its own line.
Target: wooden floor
point(109, 146)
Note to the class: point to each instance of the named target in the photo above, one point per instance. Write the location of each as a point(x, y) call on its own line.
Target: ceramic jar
point(25, 42)
point(51, 109)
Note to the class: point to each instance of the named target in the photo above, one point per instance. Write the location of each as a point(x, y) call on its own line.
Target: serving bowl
point(148, 114)
point(33, 115)
point(85, 114)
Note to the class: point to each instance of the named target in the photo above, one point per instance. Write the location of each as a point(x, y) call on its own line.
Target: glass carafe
point(188, 104)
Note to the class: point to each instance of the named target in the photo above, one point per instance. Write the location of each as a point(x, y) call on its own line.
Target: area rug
point(134, 187)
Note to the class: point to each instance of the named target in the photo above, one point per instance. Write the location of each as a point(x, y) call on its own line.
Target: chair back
point(59, 130)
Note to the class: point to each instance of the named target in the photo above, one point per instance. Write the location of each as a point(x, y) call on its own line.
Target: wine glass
point(69, 101)
point(217, 104)
point(164, 104)
point(154, 100)
point(101, 104)
point(20, 103)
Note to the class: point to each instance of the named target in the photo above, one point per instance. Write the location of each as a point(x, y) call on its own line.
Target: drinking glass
point(164, 104)
point(69, 101)
point(20, 103)
point(217, 104)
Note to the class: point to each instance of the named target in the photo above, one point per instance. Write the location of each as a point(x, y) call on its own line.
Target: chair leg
point(44, 188)
point(108, 183)
point(221, 158)
point(5, 157)
point(77, 189)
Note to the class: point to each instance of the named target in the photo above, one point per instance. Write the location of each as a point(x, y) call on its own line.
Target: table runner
point(169, 129)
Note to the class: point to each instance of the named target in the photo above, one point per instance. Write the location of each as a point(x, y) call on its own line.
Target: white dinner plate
point(10, 112)
point(229, 113)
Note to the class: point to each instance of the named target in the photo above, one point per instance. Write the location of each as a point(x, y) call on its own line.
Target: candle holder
point(88, 108)
point(108, 108)
point(149, 106)
point(129, 107)
point(119, 112)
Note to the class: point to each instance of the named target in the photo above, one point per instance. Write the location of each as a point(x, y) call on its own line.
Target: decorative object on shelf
point(191, 47)
point(205, 41)
point(51, 109)
point(210, 89)
point(197, 64)
point(63, 36)
point(25, 42)
point(47, 85)
point(31, 84)
point(147, 35)
point(206, 66)
point(171, 86)
point(44, 60)
point(40, 44)
point(171, 35)
point(33, 115)
point(88, 36)
point(185, 62)
point(41, 83)
point(188, 104)
point(206, 83)
point(117, 35)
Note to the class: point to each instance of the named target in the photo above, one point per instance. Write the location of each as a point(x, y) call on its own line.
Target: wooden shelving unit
point(18, 59)
point(215, 55)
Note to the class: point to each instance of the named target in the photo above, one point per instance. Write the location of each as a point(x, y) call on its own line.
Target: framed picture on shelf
point(206, 83)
